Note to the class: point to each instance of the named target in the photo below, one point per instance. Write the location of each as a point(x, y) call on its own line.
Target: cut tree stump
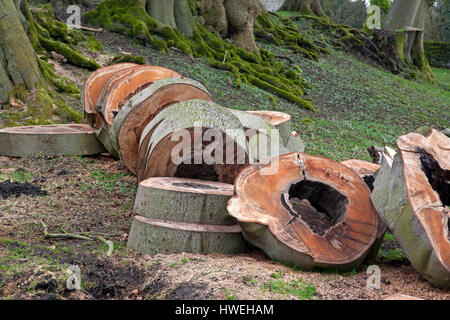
point(49, 140)
point(175, 215)
point(141, 108)
point(413, 197)
point(127, 83)
point(280, 120)
point(179, 128)
point(307, 211)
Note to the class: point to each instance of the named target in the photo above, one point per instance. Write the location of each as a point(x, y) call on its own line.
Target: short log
point(175, 215)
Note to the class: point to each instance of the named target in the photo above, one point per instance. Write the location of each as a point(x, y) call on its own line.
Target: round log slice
point(280, 120)
point(413, 197)
point(307, 211)
point(175, 215)
point(49, 140)
point(193, 118)
point(140, 109)
point(123, 86)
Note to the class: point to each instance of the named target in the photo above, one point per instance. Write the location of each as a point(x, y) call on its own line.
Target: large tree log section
point(175, 215)
point(122, 88)
point(169, 129)
point(49, 140)
point(313, 212)
point(413, 198)
point(140, 109)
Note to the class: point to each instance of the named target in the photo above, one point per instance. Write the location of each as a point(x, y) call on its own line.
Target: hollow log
point(49, 140)
point(175, 215)
point(280, 120)
point(141, 108)
point(189, 122)
point(123, 86)
point(307, 211)
point(413, 196)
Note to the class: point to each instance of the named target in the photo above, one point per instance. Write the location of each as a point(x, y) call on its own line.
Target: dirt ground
point(94, 196)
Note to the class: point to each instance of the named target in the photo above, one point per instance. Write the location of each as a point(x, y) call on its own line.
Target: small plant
point(299, 288)
point(21, 175)
point(229, 296)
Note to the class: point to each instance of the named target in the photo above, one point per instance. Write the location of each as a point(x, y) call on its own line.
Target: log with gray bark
point(175, 215)
point(412, 195)
point(49, 140)
point(307, 211)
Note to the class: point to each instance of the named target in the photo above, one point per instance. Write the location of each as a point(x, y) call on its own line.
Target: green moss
point(437, 53)
point(260, 70)
point(121, 58)
point(94, 44)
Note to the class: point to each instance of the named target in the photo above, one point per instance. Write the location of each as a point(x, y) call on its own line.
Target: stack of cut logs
point(301, 209)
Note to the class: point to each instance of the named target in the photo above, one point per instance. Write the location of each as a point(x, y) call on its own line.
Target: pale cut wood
point(156, 145)
point(140, 109)
point(398, 296)
point(176, 215)
point(363, 168)
point(49, 140)
point(414, 210)
point(280, 120)
point(122, 88)
point(274, 221)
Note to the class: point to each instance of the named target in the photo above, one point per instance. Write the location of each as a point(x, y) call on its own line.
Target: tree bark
point(177, 215)
point(18, 63)
point(304, 6)
point(407, 19)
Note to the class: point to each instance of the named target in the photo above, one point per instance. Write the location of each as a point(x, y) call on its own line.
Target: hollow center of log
point(194, 185)
point(319, 205)
point(197, 171)
point(369, 180)
point(438, 178)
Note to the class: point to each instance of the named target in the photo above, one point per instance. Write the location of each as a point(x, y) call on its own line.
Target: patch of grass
point(179, 263)
point(109, 182)
point(21, 175)
point(396, 255)
point(230, 296)
point(298, 288)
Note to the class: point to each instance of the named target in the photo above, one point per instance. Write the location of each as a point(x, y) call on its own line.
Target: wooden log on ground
point(49, 140)
point(307, 211)
point(280, 120)
point(294, 143)
point(367, 170)
point(94, 86)
point(141, 108)
point(413, 197)
point(124, 85)
point(193, 118)
point(175, 215)
point(398, 296)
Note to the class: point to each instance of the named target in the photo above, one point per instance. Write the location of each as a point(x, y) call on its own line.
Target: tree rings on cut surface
point(49, 140)
point(175, 215)
point(127, 83)
point(141, 108)
point(186, 130)
point(306, 210)
point(413, 197)
point(280, 120)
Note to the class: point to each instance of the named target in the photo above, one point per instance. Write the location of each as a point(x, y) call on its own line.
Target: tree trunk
point(412, 195)
point(407, 19)
point(307, 211)
point(18, 63)
point(304, 6)
point(175, 215)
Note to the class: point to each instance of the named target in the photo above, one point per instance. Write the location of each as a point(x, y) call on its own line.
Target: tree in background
point(407, 19)
point(352, 13)
point(437, 23)
point(303, 6)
